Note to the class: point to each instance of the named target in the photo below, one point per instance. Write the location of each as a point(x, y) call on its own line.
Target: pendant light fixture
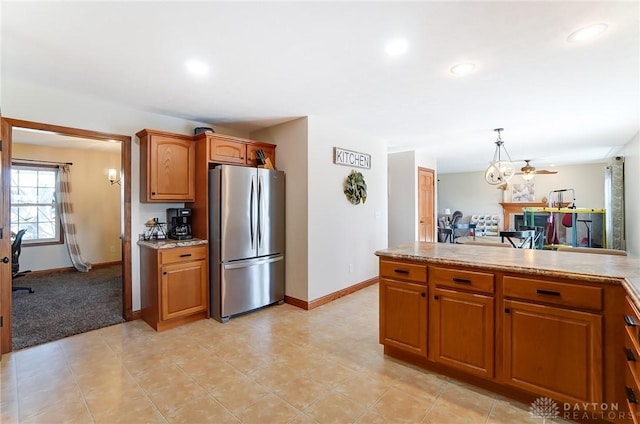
point(499, 171)
point(528, 171)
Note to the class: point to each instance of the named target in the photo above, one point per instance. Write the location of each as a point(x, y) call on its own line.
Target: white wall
point(402, 192)
point(330, 242)
point(342, 234)
point(96, 206)
point(631, 155)
point(291, 153)
point(469, 193)
point(36, 103)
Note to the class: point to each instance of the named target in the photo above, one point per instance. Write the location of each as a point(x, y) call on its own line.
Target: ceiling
point(269, 62)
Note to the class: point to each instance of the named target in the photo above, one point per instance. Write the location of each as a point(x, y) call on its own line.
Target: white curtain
point(65, 209)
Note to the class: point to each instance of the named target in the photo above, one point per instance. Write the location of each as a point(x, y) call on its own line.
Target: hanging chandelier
point(499, 171)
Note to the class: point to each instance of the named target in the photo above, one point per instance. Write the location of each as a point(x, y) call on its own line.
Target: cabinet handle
point(164, 273)
point(153, 193)
point(461, 280)
point(423, 294)
point(548, 292)
point(628, 319)
point(507, 310)
point(629, 354)
point(436, 297)
point(401, 271)
point(185, 255)
point(631, 396)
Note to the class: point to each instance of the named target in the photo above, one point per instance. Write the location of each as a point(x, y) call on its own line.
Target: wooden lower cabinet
point(174, 285)
point(403, 316)
point(462, 331)
point(553, 352)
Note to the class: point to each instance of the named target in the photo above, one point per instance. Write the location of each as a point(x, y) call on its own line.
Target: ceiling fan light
point(587, 33)
point(529, 176)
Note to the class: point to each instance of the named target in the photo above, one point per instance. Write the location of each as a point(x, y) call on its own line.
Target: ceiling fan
point(529, 171)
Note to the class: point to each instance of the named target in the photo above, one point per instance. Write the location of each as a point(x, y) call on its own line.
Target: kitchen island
point(525, 323)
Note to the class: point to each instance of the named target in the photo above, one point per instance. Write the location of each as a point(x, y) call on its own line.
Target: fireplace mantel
point(516, 207)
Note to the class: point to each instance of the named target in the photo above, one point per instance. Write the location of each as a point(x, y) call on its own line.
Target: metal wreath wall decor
point(355, 188)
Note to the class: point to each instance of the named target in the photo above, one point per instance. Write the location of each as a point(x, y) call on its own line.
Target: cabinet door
point(269, 151)
point(227, 151)
point(170, 169)
point(461, 333)
point(403, 316)
point(183, 289)
point(553, 352)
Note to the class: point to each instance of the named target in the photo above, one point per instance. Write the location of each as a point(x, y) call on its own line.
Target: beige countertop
point(170, 243)
point(614, 269)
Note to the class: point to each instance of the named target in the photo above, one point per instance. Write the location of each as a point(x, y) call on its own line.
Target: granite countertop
point(170, 243)
point(612, 269)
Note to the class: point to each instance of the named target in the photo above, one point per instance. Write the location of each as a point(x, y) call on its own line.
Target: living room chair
point(16, 249)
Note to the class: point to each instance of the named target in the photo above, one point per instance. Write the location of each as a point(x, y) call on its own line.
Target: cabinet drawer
point(632, 321)
point(573, 295)
point(632, 357)
point(183, 254)
point(459, 279)
point(632, 394)
point(404, 271)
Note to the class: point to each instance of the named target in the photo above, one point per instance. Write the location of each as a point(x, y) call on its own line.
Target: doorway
point(8, 128)
point(426, 200)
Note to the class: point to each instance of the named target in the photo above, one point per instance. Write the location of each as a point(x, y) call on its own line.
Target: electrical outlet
point(350, 267)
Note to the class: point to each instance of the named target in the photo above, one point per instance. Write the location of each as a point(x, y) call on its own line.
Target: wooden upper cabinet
point(167, 163)
point(227, 151)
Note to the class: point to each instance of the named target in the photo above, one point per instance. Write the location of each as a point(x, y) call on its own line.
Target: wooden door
point(5, 240)
point(461, 333)
point(403, 316)
point(553, 352)
point(183, 289)
point(426, 200)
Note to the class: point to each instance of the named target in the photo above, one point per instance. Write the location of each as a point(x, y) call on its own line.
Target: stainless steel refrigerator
point(246, 239)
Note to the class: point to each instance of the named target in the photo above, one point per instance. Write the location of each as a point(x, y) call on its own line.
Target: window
point(33, 203)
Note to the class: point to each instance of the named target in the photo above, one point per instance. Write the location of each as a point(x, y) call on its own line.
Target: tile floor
point(277, 365)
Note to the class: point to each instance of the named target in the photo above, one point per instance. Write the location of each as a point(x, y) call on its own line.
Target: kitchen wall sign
point(351, 158)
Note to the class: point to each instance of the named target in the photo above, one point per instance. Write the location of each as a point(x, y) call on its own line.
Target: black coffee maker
point(179, 223)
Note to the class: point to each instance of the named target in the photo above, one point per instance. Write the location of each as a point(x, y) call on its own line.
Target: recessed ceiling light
point(397, 46)
point(197, 67)
point(587, 33)
point(463, 69)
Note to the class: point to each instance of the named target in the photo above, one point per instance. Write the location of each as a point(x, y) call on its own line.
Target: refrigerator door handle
point(252, 213)
point(252, 262)
point(261, 210)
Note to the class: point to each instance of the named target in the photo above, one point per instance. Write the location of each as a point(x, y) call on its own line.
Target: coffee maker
point(179, 223)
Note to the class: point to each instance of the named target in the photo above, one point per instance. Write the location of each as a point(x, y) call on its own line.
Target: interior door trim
point(125, 226)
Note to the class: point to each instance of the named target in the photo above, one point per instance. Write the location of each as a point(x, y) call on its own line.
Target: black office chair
point(16, 249)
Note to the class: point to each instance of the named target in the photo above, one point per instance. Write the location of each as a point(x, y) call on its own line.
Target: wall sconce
point(112, 174)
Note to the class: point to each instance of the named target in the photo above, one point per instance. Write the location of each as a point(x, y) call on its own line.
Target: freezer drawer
point(250, 284)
